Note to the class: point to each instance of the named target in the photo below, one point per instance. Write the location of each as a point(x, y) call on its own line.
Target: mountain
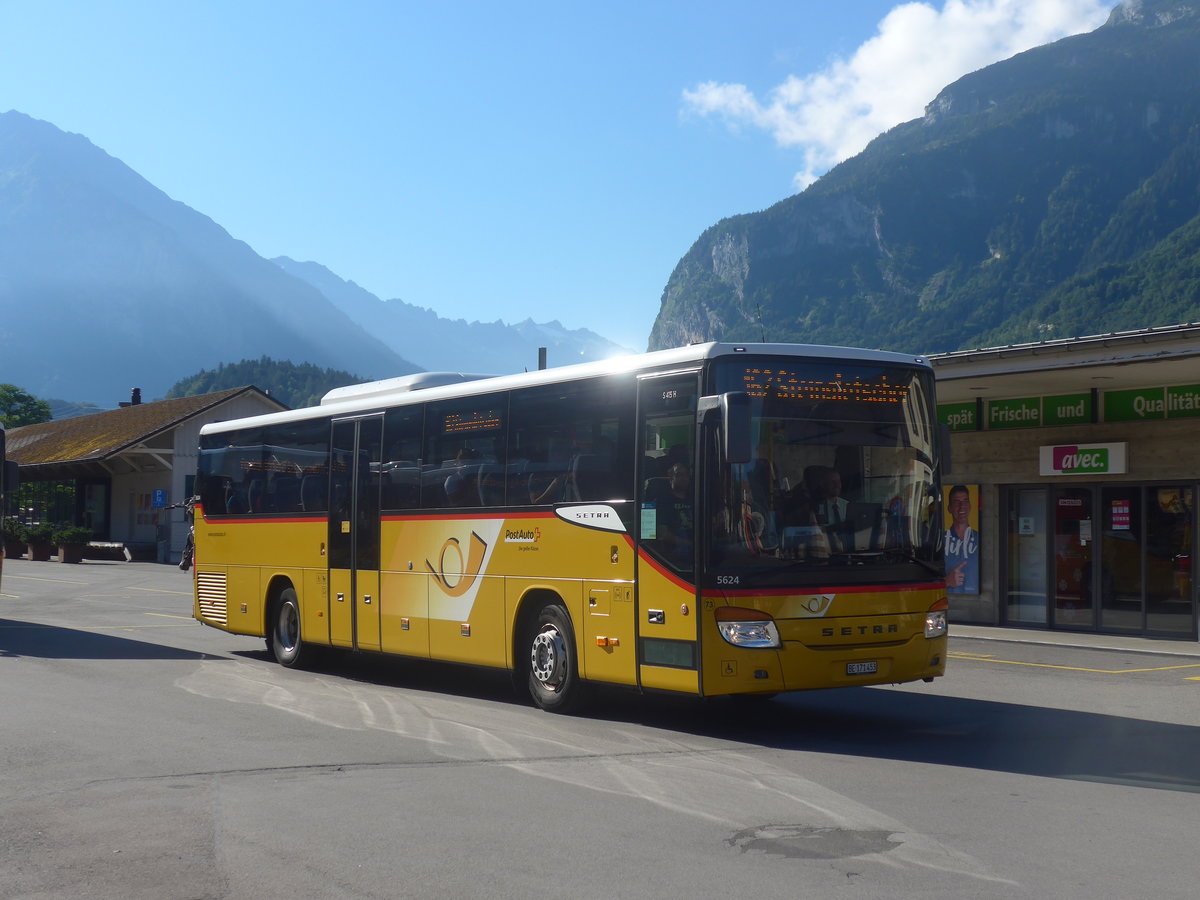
point(106, 283)
point(1053, 194)
point(291, 384)
point(67, 409)
point(453, 345)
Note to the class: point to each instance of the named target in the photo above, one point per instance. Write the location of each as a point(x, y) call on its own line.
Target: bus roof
point(375, 395)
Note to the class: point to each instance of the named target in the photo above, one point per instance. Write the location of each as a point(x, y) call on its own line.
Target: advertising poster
point(961, 503)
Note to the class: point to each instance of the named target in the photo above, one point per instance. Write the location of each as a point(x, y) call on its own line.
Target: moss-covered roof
point(98, 436)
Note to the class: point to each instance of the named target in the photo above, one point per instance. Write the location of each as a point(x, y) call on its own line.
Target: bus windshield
point(841, 486)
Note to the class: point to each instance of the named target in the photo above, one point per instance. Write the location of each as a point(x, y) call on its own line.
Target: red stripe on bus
point(830, 589)
point(451, 517)
point(261, 520)
point(664, 571)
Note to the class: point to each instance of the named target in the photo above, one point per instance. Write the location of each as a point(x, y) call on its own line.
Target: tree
point(292, 384)
point(18, 407)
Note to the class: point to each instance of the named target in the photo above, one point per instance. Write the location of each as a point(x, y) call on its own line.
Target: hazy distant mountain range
point(1051, 195)
point(107, 284)
point(435, 343)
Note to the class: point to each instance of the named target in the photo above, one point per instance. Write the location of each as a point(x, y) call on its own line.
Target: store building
point(119, 472)
point(1081, 464)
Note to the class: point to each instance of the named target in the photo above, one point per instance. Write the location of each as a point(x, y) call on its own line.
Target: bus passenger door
point(668, 531)
point(354, 533)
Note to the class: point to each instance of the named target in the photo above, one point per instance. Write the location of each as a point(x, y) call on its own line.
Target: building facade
point(121, 472)
point(1080, 461)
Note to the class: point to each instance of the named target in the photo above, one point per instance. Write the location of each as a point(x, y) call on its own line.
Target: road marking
point(157, 591)
point(54, 580)
point(1013, 662)
point(165, 616)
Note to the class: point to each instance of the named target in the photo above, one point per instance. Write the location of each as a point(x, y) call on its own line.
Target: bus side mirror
point(10, 477)
point(734, 411)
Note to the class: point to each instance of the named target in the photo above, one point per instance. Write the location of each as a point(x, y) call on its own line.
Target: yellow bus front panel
point(827, 639)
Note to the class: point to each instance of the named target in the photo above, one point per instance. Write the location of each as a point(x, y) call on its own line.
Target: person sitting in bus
point(674, 515)
point(824, 485)
point(460, 484)
point(235, 500)
point(747, 523)
point(545, 485)
point(803, 538)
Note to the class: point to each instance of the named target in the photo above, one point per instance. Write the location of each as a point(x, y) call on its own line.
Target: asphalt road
point(147, 756)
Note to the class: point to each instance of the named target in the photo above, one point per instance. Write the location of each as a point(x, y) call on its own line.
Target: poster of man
point(962, 539)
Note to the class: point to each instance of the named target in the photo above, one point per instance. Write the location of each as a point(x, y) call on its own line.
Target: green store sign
point(1183, 402)
point(957, 416)
point(1025, 412)
point(1067, 409)
point(1135, 405)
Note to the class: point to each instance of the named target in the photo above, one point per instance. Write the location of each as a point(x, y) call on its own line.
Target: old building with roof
point(121, 471)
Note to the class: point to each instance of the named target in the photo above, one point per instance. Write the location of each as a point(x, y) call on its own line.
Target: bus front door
point(354, 618)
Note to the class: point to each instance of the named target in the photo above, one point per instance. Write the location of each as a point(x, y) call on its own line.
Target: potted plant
point(40, 539)
point(71, 539)
point(14, 538)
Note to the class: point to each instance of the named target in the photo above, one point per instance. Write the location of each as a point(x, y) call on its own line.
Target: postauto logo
point(1071, 460)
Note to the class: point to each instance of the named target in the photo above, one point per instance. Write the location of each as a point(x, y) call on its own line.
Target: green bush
point(71, 536)
point(15, 532)
point(40, 534)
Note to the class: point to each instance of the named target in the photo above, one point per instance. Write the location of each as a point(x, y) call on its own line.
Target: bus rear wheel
point(554, 681)
point(284, 636)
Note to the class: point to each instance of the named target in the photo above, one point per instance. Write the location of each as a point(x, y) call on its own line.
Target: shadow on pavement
point(50, 642)
point(950, 731)
point(869, 723)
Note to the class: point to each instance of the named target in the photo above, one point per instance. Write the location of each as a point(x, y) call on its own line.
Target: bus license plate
point(870, 667)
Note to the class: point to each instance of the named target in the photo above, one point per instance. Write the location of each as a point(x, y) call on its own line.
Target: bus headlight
point(747, 627)
point(935, 619)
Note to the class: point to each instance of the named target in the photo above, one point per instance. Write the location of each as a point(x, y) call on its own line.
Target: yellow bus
point(710, 520)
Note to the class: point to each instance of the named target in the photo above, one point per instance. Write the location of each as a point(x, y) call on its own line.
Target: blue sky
point(545, 160)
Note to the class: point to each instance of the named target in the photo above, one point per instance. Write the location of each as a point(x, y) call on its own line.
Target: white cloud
point(918, 49)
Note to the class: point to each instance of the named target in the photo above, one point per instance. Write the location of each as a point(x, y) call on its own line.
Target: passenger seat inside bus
point(314, 493)
point(591, 477)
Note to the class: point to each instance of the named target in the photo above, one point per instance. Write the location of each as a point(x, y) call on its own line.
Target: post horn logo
point(454, 574)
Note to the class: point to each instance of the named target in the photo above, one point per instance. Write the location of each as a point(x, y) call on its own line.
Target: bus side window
point(571, 441)
point(461, 437)
point(401, 466)
point(314, 492)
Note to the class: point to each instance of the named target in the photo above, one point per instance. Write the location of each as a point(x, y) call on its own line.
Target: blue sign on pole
point(160, 499)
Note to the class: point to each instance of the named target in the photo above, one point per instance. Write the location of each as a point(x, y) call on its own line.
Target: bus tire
point(284, 623)
point(554, 681)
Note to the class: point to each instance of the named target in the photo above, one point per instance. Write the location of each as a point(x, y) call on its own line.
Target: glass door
point(1121, 558)
point(1074, 544)
point(1109, 557)
point(1169, 604)
point(1026, 582)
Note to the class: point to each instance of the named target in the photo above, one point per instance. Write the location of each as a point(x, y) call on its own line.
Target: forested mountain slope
point(1053, 194)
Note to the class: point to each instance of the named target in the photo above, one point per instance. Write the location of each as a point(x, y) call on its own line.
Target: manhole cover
point(808, 842)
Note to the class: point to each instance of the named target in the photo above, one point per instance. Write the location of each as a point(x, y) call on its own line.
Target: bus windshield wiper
point(924, 563)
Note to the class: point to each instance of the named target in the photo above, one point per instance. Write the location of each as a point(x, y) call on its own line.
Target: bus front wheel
point(284, 638)
point(554, 681)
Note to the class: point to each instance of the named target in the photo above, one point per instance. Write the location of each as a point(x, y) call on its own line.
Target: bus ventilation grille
point(214, 599)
